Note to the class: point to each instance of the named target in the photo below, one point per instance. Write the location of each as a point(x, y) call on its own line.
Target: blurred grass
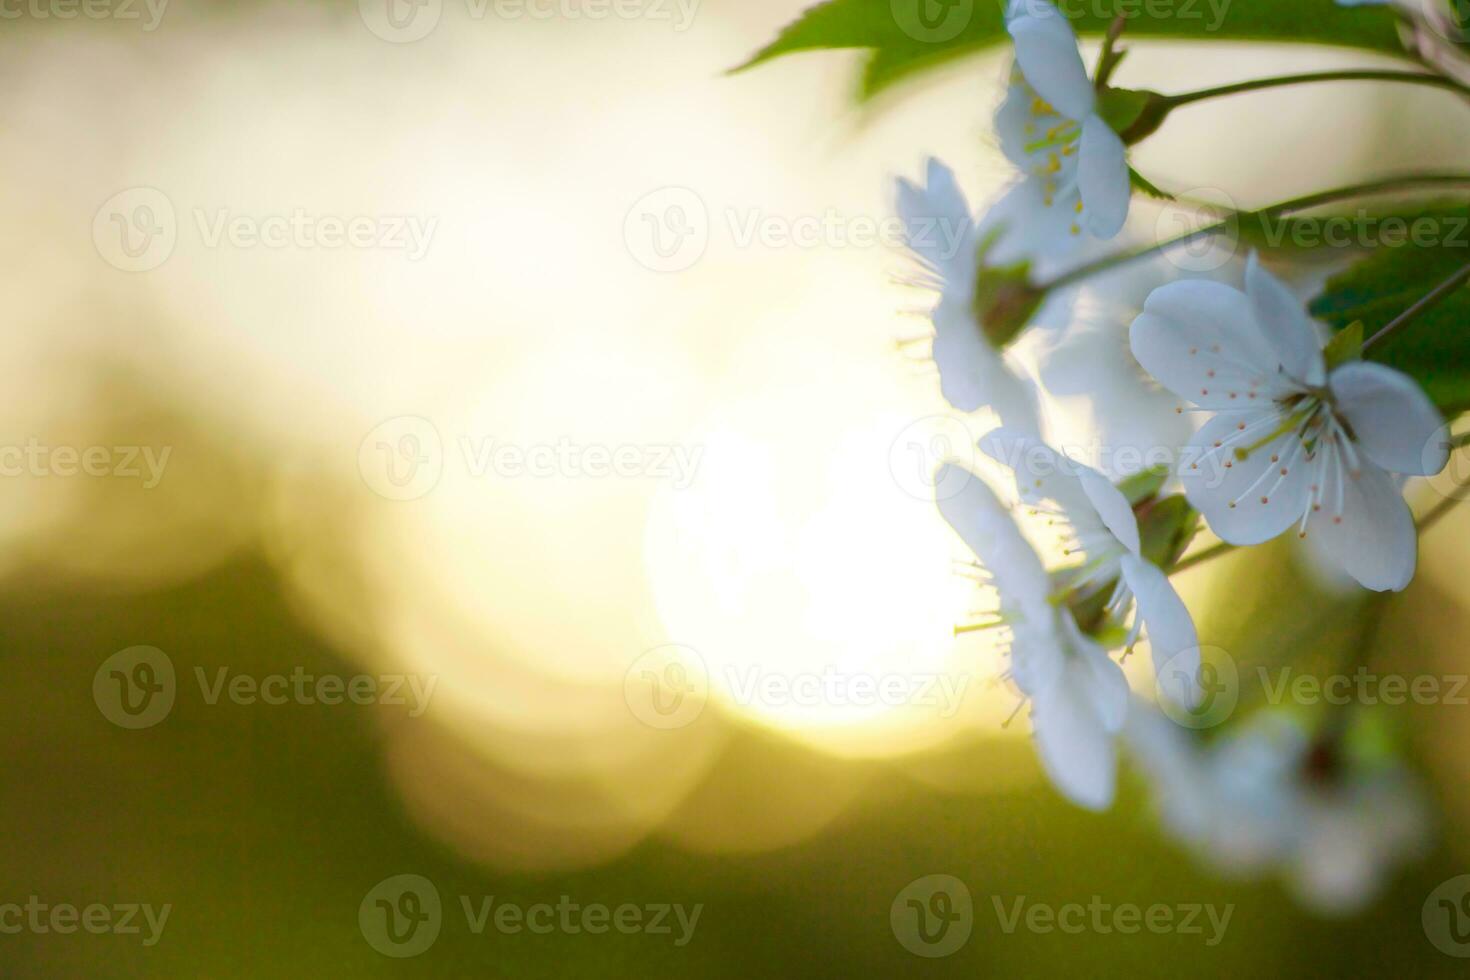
point(264, 827)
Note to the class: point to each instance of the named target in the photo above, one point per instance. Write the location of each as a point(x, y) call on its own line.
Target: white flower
point(1289, 443)
point(1075, 166)
point(1103, 396)
point(1097, 526)
point(1078, 695)
point(1272, 797)
point(944, 238)
point(1431, 30)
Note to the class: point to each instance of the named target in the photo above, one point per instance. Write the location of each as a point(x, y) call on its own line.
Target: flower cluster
point(1279, 425)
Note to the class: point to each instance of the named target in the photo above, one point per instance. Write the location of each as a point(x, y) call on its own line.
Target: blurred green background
point(269, 546)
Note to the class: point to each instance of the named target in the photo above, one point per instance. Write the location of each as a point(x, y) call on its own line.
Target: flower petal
point(1201, 341)
point(1088, 502)
point(965, 358)
point(1102, 177)
point(1020, 226)
point(1106, 685)
point(1073, 739)
point(1046, 52)
point(1393, 421)
point(987, 527)
point(1285, 323)
point(1018, 124)
point(938, 228)
point(974, 375)
point(1111, 506)
point(1172, 761)
point(1036, 651)
point(1373, 538)
point(1172, 638)
point(1266, 501)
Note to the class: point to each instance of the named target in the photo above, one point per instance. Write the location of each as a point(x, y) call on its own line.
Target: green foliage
point(1005, 299)
point(1165, 528)
point(1345, 345)
point(1142, 183)
point(905, 37)
point(1435, 348)
point(1121, 107)
point(1144, 485)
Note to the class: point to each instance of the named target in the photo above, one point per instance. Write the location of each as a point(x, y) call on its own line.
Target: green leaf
point(1165, 528)
point(1005, 300)
point(1345, 345)
point(1435, 348)
point(905, 37)
point(1142, 183)
point(1143, 485)
point(1121, 107)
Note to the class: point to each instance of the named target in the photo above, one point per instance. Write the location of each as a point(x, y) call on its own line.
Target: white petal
point(965, 358)
point(1169, 756)
point(974, 375)
point(1088, 502)
point(1046, 51)
point(1172, 639)
point(1266, 501)
point(1375, 541)
point(1393, 420)
point(1285, 324)
point(1034, 231)
point(1104, 681)
point(1036, 651)
point(938, 227)
point(1102, 177)
point(1088, 356)
point(1201, 341)
point(1076, 748)
point(1017, 126)
point(1111, 506)
point(986, 526)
